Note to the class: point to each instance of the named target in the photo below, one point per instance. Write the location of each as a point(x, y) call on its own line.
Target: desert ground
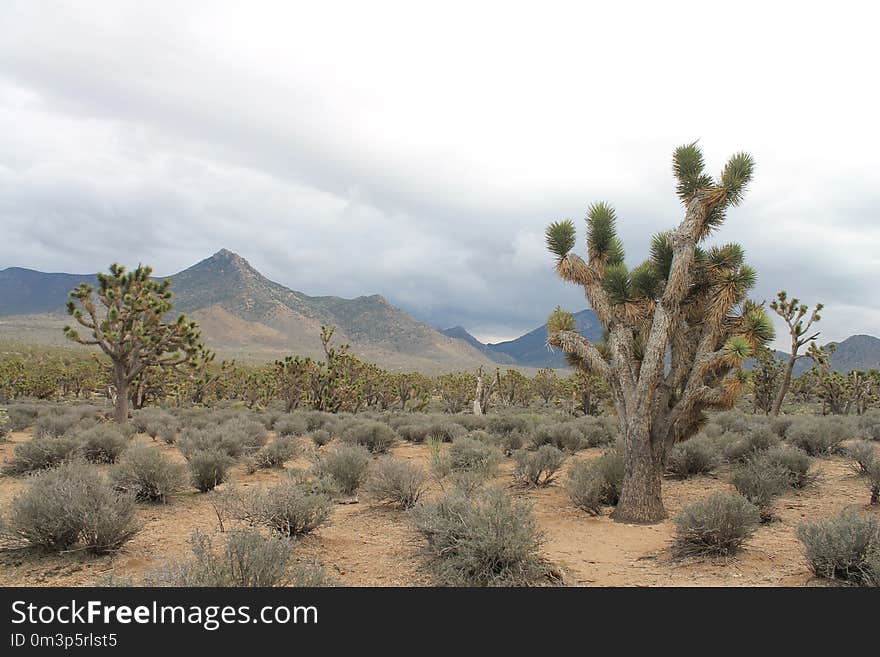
point(370, 544)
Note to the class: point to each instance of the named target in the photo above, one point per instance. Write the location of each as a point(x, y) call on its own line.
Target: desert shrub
point(5, 424)
point(377, 437)
point(538, 468)
point(469, 462)
point(780, 424)
point(481, 540)
point(420, 429)
point(817, 436)
point(743, 446)
point(868, 425)
point(41, 454)
point(795, 461)
point(561, 435)
point(101, 444)
point(148, 474)
point(346, 465)
point(248, 434)
point(208, 468)
point(234, 437)
point(55, 424)
point(844, 547)
point(268, 418)
point(397, 481)
point(733, 422)
point(72, 504)
point(862, 455)
point(760, 480)
point(321, 437)
point(292, 424)
point(293, 507)
point(716, 525)
point(471, 422)
point(596, 431)
point(163, 426)
point(698, 455)
point(273, 455)
point(21, 416)
point(592, 484)
point(247, 559)
point(874, 479)
point(507, 424)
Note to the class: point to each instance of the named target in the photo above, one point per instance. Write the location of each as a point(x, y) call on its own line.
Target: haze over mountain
point(242, 312)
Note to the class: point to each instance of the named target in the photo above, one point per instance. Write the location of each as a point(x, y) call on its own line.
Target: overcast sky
point(418, 150)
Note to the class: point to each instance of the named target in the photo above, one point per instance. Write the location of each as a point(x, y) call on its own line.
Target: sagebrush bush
point(5, 424)
point(818, 436)
point(397, 481)
point(273, 455)
point(561, 435)
point(345, 464)
point(377, 437)
point(868, 425)
point(862, 455)
point(41, 454)
point(55, 424)
point(487, 539)
point(420, 429)
point(698, 455)
point(596, 431)
point(760, 481)
point(844, 547)
point(321, 437)
point(592, 484)
point(247, 559)
point(794, 460)
point(208, 468)
point(716, 525)
point(148, 474)
point(21, 416)
point(742, 446)
point(103, 443)
point(780, 424)
point(467, 454)
point(538, 468)
point(507, 424)
point(69, 505)
point(293, 507)
point(874, 481)
point(292, 424)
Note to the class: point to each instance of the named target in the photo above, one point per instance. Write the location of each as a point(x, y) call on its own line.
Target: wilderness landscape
point(672, 445)
point(567, 295)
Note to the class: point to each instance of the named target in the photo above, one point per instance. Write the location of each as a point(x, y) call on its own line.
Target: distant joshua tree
point(793, 313)
point(130, 329)
point(684, 302)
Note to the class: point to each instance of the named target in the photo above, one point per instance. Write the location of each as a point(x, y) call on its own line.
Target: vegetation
point(716, 525)
point(683, 300)
point(844, 547)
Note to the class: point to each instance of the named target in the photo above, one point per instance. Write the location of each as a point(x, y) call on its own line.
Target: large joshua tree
point(678, 326)
point(130, 329)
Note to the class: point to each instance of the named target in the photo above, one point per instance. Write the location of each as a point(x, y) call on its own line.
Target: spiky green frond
point(757, 325)
point(661, 253)
point(616, 283)
point(728, 256)
point(688, 165)
point(561, 236)
point(736, 175)
point(560, 320)
point(602, 240)
point(645, 281)
point(737, 349)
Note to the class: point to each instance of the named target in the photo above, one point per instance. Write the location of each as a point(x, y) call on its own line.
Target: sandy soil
point(366, 544)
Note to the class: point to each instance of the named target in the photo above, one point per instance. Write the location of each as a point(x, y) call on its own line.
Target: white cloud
point(419, 151)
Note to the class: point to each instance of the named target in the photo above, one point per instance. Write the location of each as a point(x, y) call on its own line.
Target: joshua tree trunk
point(783, 389)
point(478, 395)
point(640, 499)
point(120, 380)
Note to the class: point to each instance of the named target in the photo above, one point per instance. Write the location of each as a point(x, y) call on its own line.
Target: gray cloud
point(349, 157)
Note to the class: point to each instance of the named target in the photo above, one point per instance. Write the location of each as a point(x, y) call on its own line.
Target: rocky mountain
point(857, 352)
point(240, 311)
point(530, 350)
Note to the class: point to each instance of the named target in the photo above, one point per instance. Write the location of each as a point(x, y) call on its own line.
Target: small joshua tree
point(130, 329)
point(765, 380)
point(684, 301)
point(793, 313)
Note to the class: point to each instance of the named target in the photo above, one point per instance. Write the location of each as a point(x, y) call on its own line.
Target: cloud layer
point(419, 153)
